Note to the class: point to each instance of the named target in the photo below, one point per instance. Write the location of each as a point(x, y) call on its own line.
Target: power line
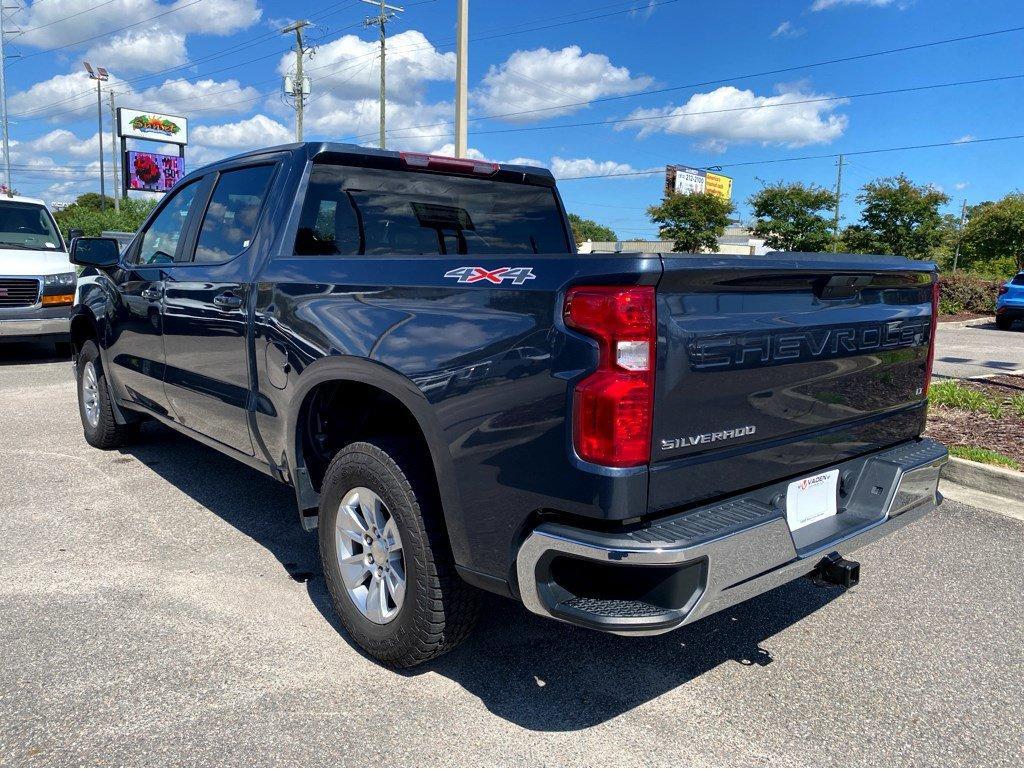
point(769, 161)
point(719, 81)
point(63, 18)
point(724, 110)
point(110, 32)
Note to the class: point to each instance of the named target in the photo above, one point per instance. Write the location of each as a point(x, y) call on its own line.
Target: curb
point(987, 478)
point(967, 323)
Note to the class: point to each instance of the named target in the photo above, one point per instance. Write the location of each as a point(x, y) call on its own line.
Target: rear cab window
point(369, 211)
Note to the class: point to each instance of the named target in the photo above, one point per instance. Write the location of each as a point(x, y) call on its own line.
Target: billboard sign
point(684, 180)
point(152, 126)
point(152, 172)
point(718, 185)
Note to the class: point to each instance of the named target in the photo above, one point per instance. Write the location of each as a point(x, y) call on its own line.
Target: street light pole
point(100, 75)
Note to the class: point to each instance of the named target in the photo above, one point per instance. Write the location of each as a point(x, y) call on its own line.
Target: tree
point(693, 221)
point(85, 214)
point(792, 217)
point(588, 229)
point(994, 235)
point(898, 217)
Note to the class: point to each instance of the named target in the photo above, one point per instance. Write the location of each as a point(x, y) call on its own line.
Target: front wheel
point(386, 558)
point(98, 422)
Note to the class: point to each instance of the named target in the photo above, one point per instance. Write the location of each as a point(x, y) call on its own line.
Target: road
point(971, 351)
point(161, 605)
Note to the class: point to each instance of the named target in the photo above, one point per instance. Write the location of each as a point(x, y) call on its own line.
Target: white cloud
point(418, 127)
point(728, 114)
point(965, 138)
point(822, 5)
point(787, 29)
point(542, 79)
point(349, 67)
point(140, 50)
point(74, 95)
point(569, 167)
point(212, 142)
point(961, 185)
point(214, 17)
point(61, 141)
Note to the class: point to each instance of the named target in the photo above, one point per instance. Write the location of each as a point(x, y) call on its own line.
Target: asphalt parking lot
point(161, 605)
point(975, 351)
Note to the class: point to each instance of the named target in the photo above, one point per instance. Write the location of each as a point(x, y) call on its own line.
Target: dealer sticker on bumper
point(811, 499)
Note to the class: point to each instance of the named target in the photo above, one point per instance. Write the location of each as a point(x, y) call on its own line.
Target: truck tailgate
point(769, 367)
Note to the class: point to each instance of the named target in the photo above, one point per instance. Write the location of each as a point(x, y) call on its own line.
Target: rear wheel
point(386, 558)
point(98, 422)
point(1004, 323)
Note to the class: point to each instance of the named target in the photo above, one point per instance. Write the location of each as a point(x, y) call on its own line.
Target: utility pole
point(113, 153)
point(959, 234)
point(298, 89)
point(3, 105)
point(100, 75)
point(462, 80)
point(387, 12)
point(839, 195)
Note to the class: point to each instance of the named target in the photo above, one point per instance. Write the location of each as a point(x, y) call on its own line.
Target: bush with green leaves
point(85, 214)
point(965, 292)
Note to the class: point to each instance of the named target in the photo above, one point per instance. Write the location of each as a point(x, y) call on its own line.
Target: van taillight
point(613, 407)
point(931, 337)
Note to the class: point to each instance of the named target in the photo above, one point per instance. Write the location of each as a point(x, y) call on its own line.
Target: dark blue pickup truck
point(625, 442)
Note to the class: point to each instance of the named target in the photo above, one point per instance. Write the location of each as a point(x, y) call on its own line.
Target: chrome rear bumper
point(711, 558)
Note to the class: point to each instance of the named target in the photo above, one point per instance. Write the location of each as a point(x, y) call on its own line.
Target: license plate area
point(812, 499)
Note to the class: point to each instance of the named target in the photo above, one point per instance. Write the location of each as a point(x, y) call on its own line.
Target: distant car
point(37, 282)
point(1010, 304)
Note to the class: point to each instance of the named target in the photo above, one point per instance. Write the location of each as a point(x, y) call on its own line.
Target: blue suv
point(1010, 304)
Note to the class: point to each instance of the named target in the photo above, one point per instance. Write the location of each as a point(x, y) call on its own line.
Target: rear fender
point(409, 395)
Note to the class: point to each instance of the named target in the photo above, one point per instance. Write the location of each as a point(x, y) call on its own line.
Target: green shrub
point(968, 292)
point(84, 214)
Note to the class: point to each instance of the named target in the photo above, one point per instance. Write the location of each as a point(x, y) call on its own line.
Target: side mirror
point(74, 233)
point(95, 252)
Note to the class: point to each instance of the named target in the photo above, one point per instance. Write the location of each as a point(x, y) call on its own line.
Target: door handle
point(228, 301)
point(150, 294)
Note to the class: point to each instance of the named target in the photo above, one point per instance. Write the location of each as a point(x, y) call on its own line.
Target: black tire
point(103, 432)
point(1004, 323)
point(439, 609)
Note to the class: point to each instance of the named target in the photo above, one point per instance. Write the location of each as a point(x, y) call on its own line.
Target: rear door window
point(365, 211)
point(229, 224)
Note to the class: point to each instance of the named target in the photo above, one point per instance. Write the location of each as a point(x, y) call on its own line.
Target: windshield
point(27, 225)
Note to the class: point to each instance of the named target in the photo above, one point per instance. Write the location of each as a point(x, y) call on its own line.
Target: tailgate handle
point(841, 286)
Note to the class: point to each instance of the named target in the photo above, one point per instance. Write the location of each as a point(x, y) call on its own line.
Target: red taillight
point(1003, 290)
point(441, 163)
point(931, 337)
point(613, 407)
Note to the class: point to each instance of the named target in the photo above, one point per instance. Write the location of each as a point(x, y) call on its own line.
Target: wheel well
point(83, 328)
point(334, 414)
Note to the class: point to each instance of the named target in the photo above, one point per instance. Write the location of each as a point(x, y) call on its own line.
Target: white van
point(37, 282)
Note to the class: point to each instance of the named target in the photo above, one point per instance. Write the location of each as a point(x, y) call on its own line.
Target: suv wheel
point(98, 423)
point(1003, 323)
point(386, 559)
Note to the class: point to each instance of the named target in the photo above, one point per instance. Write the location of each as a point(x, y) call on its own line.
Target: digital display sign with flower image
point(153, 172)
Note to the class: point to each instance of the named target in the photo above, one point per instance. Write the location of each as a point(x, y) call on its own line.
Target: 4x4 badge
point(518, 275)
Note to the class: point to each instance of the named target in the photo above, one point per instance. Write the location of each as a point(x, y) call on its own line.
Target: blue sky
point(220, 63)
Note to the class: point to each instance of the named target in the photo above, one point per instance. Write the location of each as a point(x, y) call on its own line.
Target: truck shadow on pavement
point(537, 673)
